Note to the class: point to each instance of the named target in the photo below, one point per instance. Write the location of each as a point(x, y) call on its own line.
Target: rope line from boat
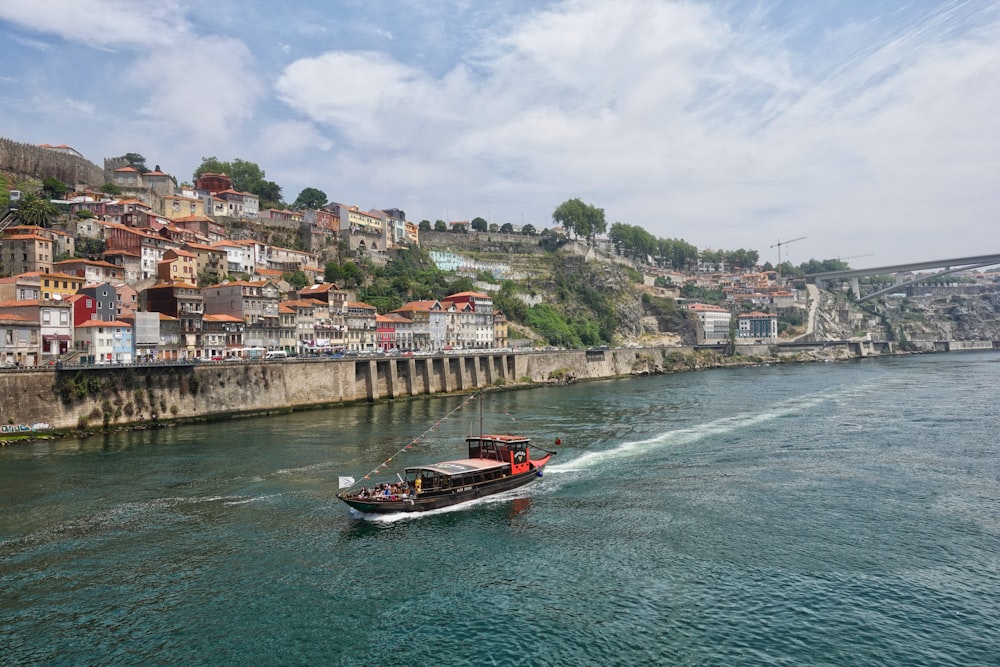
point(414, 441)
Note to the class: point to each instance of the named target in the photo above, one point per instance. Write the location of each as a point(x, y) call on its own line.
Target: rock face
point(919, 320)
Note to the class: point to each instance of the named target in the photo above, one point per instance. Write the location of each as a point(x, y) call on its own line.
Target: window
point(9, 337)
point(46, 317)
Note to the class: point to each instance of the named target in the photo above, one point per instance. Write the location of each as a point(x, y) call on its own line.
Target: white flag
point(346, 482)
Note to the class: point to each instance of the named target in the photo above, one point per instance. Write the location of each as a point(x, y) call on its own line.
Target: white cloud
point(101, 22)
point(203, 90)
point(292, 138)
point(721, 123)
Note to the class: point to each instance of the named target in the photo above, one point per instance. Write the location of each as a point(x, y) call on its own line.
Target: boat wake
point(495, 499)
point(683, 436)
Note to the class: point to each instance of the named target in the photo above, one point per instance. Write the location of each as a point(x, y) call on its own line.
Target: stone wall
point(66, 399)
point(30, 160)
point(481, 242)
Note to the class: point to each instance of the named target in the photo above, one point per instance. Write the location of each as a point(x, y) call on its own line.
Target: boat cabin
point(491, 457)
point(507, 448)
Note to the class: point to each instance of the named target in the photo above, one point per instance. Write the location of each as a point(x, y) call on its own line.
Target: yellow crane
point(778, 246)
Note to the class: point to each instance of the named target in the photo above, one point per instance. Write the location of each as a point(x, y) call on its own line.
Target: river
point(843, 513)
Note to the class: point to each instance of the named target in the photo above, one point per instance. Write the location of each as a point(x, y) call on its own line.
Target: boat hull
point(440, 499)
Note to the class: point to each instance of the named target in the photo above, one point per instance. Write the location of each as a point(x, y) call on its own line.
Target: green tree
point(310, 198)
point(112, 189)
point(246, 176)
point(506, 228)
point(440, 226)
point(425, 225)
point(53, 188)
point(296, 279)
point(479, 224)
point(494, 228)
point(35, 210)
point(137, 162)
point(347, 275)
point(84, 214)
point(528, 230)
point(580, 219)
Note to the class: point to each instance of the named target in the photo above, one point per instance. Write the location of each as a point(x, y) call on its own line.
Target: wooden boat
point(495, 463)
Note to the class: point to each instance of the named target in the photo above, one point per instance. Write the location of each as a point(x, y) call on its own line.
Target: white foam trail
point(683, 436)
point(513, 494)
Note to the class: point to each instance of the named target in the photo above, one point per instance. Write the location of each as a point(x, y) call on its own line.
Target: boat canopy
point(459, 467)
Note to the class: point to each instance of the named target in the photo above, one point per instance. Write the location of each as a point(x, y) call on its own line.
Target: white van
point(276, 354)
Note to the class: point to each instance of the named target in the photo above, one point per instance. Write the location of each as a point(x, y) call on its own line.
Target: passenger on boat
point(417, 484)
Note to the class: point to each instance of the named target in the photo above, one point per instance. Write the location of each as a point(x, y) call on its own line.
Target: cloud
point(101, 23)
point(686, 119)
point(360, 94)
point(202, 90)
point(292, 138)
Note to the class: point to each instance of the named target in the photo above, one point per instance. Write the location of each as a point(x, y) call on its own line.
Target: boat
point(495, 463)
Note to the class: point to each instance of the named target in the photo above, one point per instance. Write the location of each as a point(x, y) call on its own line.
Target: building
point(757, 326)
point(24, 250)
point(101, 342)
point(92, 271)
point(361, 326)
point(712, 323)
point(480, 333)
point(254, 302)
point(177, 265)
point(105, 299)
point(402, 328)
point(183, 301)
point(210, 262)
point(59, 285)
point(385, 333)
point(22, 287)
point(221, 335)
point(19, 340)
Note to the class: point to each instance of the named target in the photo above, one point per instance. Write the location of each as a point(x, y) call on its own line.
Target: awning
point(49, 338)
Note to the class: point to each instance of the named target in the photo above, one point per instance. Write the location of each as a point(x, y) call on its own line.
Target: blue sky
point(871, 128)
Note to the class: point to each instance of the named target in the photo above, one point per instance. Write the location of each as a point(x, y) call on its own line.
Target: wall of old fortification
point(30, 160)
point(481, 241)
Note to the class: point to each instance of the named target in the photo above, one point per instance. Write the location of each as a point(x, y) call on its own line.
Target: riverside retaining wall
point(66, 399)
point(93, 398)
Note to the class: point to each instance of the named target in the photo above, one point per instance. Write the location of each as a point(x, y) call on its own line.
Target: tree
point(528, 230)
point(110, 188)
point(581, 219)
point(310, 198)
point(246, 176)
point(296, 279)
point(425, 225)
point(137, 162)
point(53, 188)
point(440, 226)
point(35, 210)
point(479, 224)
point(551, 241)
point(506, 228)
point(346, 275)
point(84, 214)
point(494, 228)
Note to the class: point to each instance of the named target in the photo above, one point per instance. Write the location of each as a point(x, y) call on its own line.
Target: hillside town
point(169, 272)
point(178, 276)
point(173, 281)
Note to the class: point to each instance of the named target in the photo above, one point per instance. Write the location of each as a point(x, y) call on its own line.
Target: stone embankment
point(41, 402)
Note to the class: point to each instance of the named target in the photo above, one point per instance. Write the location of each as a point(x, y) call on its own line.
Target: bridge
point(950, 266)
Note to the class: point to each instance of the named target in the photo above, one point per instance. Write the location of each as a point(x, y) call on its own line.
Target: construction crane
point(844, 259)
point(778, 246)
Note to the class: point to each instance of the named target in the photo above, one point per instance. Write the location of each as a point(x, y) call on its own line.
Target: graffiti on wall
point(25, 428)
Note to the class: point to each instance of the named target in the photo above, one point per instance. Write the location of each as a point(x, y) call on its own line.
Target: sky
point(864, 130)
